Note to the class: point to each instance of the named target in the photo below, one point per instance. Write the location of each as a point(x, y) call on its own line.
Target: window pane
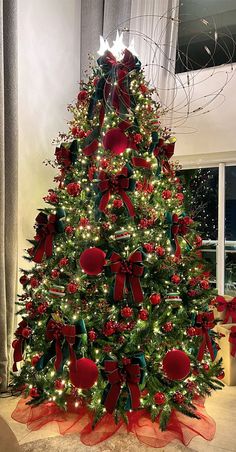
point(206, 34)
point(230, 203)
point(201, 191)
point(209, 255)
point(230, 270)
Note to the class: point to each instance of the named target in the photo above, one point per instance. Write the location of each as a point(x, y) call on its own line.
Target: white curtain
point(154, 27)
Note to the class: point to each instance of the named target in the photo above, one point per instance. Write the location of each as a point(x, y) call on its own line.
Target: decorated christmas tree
point(116, 309)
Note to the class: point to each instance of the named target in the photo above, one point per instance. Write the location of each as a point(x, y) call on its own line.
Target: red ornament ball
point(206, 367)
point(35, 359)
point(59, 384)
point(26, 332)
point(160, 251)
point(166, 194)
point(176, 365)
point(92, 335)
point(72, 287)
point(126, 312)
point(155, 299)
point(69, 230)
point(221, 375)
point(73, 189)
point(115, 141)
point(178, 397)
point(85, 373)
point(28, 305)
point(63, 262)
point(143, 314)
point(204, 284)
point(167, 327)
point(191, 331)
point(24, 280)
point(34, 392)
point(175, 279)
point(55, 273)
point(92, 261)
point(34, 282)
point(159, 398)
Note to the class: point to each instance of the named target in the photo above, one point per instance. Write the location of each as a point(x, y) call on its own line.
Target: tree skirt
point(79, 420)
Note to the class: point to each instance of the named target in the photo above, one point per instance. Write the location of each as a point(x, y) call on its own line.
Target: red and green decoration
point(116, 308)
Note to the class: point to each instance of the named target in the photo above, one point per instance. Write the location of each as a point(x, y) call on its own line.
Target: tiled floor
point(221, 406)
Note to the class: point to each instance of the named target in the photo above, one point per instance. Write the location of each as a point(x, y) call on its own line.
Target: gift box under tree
point(228, 352)
point(224, 308)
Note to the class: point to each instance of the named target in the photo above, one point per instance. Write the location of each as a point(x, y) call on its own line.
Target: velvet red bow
point(228, 306)
point(204, 322)
point(18, 345)
point(232, 340)
point(46, 229)
point(117, 184)
point(57, 331)
point(163, 152)
point(179, 226)
point(127, 275)
point(129, 375)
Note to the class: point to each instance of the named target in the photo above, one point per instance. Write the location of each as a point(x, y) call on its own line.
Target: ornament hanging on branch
point(92, 261)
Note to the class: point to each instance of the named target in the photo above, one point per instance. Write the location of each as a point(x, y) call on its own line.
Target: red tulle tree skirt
point(79, 420)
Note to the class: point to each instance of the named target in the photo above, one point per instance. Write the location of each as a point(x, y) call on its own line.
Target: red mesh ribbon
point(130, 375)
point(204, 322)
point(18, 345)
point(232, 340)
point(118, 184)
point(46, 229)
point(127, 275)
point(79, 420)
point(228, 306)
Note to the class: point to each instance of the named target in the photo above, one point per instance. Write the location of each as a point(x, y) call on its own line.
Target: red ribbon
point(56, 331)
point(228, 306)
point(140, 162)
point(45, 235)
point(232, 340)
point(205, 321)
point(130, 375)
point(18, 345)
point(128, 274)
point(118, 184)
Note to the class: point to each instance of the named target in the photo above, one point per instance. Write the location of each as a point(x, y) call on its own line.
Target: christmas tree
point(116, 310)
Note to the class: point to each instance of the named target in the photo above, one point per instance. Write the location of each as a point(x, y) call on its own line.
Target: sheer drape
point(8, 181)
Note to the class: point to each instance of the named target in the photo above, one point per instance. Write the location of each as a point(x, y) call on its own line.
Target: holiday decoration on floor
point(116, 317)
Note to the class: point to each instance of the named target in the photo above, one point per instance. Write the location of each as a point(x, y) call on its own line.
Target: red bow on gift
point(228, 306)
point(128, 274)
point(204, 322)
point(18, 345)
point(118, 184)
point(57, 331)
point(46, 229)
point(130, 374)
point(232, 340)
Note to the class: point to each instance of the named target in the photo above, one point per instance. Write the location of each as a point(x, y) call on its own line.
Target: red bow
point(130, 374)
point(46, 229)
point(163, 152)
point(18, 345)
point(232, 340)
point(204, 322)
point(140, 162)
point(229, 308)
point(128, 274)
point(56, 331)
point(119, 184)
point(179, 226)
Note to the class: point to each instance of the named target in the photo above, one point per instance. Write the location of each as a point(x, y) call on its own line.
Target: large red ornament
point(176, 365)
point(85, 373)
point(92, 261)
point(115, 141)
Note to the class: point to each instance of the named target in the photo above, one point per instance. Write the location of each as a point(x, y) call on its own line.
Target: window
point(213, 207)
point(206, 34)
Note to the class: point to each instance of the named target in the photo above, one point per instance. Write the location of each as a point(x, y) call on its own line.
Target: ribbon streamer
point(204, 322)
point(18, 345)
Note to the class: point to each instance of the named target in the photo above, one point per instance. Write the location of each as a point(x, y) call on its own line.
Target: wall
point(210, 135)
point(49, 63)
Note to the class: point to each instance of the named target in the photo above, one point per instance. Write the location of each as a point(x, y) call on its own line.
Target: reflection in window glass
point(206, 34)
point(230, 203)
point(201, 199)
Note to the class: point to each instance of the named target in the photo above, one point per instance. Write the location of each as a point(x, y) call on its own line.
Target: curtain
point(100, 18)
point(8, 181)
